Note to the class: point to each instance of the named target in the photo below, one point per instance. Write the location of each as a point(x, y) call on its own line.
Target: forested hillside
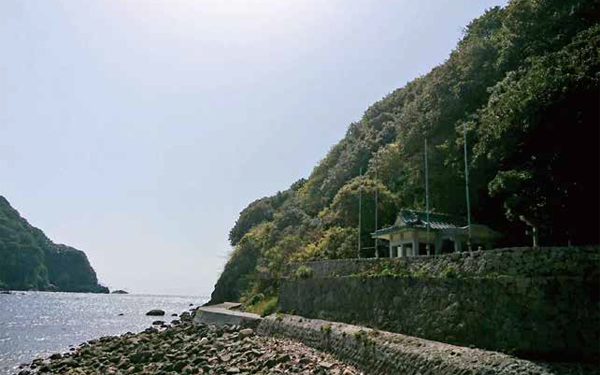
point(30, 261)
point(524, 79)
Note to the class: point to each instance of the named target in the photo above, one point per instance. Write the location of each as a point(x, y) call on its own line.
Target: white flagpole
point(376, 207)
point(467, 185)
point(359, 210)
point(427, 195)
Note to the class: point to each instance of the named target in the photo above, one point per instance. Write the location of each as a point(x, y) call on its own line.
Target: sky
point(137, 130)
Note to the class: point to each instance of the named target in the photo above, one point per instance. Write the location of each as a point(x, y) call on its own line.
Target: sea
point(37, 324)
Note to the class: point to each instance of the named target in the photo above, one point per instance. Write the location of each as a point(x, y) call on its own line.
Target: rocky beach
point(185, 348)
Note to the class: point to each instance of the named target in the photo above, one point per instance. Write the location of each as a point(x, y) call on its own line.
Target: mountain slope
point(523, 81)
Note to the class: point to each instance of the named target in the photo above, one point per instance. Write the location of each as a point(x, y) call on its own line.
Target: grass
point(362, 337)
point(265, 307)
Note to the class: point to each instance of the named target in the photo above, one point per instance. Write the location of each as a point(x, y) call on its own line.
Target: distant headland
point(31, 261)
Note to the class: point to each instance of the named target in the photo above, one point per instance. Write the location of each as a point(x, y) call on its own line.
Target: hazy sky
point(137, 130)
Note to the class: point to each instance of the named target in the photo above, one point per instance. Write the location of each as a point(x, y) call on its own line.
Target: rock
point(56, 356)
point(121, 314)
point(158, 323)
point(304, 361)
point(155, 312)
point(173, 314)
point(70, 362)
point(179, 366)
point(119, 291)
point(140, 357)
point(188, 349)
point(247, 332)
point(185, 316)
point(6, 292)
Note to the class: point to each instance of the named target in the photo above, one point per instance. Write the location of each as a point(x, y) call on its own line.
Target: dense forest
point(30, 261)
point(523, 80)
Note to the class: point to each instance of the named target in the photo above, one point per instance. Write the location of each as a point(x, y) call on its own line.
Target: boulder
point(246, 332)
point(119, 291)
point(155, 312)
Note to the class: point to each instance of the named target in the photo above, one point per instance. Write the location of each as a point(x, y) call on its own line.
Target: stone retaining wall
point(497, 300)
point(384, 353)
point(521, 261)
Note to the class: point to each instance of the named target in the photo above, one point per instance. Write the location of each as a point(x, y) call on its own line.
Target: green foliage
point(420, 273)
point(511, 183)
point(304, 272)
point(362, 337)
point(30, 261)
point(239, 270)
point(549, 108)
point(449, 272)
point(523, 80)
point(337, 243)
point(266, 307)
point(256, 213)
point(344, 208)
point(259, 295)
point(279, 254)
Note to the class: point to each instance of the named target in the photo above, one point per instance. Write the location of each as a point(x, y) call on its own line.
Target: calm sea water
point(34, 324)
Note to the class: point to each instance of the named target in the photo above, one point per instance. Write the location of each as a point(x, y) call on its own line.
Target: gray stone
point(155, 312)
point(489, 300)
point(247, 332)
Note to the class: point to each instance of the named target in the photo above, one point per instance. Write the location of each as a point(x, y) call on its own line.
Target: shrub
point(326, 329)
point(449, 272)
point(362, 337)
point(266, 307)
point(304, 272)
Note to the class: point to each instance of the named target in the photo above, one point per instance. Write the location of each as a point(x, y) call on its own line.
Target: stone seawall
point(496, 300)
point(384, 353)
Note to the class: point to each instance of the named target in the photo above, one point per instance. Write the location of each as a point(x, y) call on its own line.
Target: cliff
point(31, 261)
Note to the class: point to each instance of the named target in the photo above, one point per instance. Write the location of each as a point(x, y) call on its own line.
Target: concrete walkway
point(226, 313)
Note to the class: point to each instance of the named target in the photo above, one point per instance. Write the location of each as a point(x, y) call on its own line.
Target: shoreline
point(186, 348)
point(38, 324)
point(279, 344)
